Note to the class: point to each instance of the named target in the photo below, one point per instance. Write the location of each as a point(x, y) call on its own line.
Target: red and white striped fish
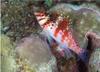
point(60, 31)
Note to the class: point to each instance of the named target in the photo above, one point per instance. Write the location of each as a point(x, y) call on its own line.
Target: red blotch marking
point(69, 38)
point(63, 24)
point(72, 44)
point(64, 35)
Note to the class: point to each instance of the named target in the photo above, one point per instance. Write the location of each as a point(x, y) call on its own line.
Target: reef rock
point(94, 45)
point(37, 53)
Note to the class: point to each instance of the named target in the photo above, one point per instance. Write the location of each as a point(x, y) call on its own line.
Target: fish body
point(60, 31)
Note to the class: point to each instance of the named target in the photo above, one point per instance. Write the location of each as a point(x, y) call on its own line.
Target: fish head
point(42, 18)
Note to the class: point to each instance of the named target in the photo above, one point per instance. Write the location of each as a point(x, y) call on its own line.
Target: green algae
point(8, 63)
point(48, 2)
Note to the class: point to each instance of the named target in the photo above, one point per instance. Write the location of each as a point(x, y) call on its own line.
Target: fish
point(59, 32)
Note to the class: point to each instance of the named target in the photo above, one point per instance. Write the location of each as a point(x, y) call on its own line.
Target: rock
point(93, 40)
point(37, 53)
point(94, 62)
point(94, 47)
point(34, 49)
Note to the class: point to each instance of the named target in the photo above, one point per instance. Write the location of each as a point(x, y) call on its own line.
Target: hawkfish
point(59, 34)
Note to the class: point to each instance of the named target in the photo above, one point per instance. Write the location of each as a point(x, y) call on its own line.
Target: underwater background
point(23, 48)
